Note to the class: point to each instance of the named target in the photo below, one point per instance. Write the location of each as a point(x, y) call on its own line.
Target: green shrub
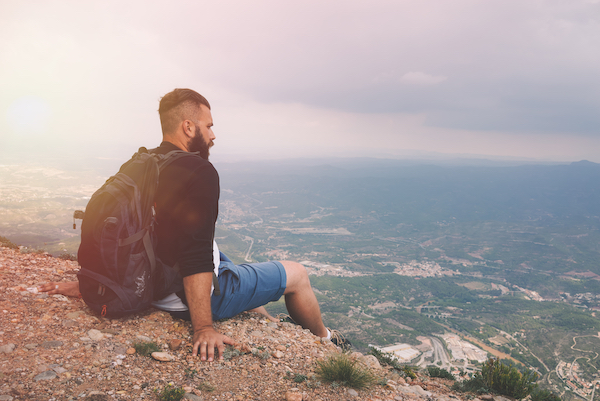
point(502, 379)
point(171, 393)
point(5, 242)
point(206, 386)
point(341, 369)
point(68, 256)
point(300, 378)
point(434, 371)
point(146, 348)
point(385, 358)
point(543, 395)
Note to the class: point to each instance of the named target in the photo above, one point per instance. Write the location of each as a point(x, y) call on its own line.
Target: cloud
point(421, 78)
point(516, 67)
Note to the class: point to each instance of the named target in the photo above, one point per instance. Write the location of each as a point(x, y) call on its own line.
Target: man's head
point(186, 121)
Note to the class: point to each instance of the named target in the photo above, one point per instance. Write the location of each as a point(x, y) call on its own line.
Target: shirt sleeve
point(196, 216)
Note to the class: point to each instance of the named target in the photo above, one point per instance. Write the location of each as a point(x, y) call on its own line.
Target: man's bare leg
point(300, 299)
point(263, 311)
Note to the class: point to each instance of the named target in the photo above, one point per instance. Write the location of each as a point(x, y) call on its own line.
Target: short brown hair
point(178, 105)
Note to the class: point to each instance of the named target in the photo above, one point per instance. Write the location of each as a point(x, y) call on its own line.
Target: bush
point(502, 379)
point(5, 242)
point(146, 348)
point(171, 393)
point(544, 395)
point(341, 369)
point(434, 371)
point(68, 256)
point(388, 359)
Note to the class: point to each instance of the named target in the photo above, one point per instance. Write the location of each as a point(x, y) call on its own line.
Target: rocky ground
point(53, 348)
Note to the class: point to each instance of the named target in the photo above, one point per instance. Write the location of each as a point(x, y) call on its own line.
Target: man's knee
point(297, 276)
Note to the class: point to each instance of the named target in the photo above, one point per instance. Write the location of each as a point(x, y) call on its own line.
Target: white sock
point(328, 334)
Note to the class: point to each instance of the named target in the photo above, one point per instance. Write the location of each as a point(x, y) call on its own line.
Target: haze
point(510, 79)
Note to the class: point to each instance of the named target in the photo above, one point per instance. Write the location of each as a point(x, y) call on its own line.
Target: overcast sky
point(498, 78)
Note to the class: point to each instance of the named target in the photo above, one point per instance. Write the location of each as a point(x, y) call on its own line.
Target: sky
point(506, 79)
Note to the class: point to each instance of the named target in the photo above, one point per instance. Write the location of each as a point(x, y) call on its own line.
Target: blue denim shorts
point(247, 286)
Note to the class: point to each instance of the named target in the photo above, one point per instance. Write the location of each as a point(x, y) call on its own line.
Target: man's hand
point(69, 288)
point(205, 341)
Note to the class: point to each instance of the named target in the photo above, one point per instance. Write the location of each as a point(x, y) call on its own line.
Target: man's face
point(203, 137)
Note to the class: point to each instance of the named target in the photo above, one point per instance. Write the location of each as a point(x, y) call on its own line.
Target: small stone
point(69, 323)
point(193, 397)
point(293, 396)
point(281, 348)
point(5, 397)
point(57, 368)
point(371, 361)
point(175, 344)
point(277, 354)
point(352, 393)
point(95, 335)
point(130, 351)
point(143, 338)
point(272, 325)
point(163, 356)
point(257, 334)
point(8, 348)
point(52, 344)
point(74, 315)
point(47, 375)
point(31, 346)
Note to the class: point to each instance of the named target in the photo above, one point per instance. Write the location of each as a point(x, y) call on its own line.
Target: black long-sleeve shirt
point(187, 206)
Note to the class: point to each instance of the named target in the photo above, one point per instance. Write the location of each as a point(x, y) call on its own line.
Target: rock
point(52, 344)
point(96, 396)
point(74, 315)
point(47, 375)
point(163, 356)
point(175, 344)
point(143, 338)
point(371, 361)
point(130, 351)
point(8, 348)
point(277, 354)
point(257, 334)
point(57, 368)
point(272, 325)
point(487, 397)
point(500, 398)
point(352, 393)
point(5, 397)
point(193, 397)
point(69, 323)
point(95, 335)
point(31, 346)
point(293, 396)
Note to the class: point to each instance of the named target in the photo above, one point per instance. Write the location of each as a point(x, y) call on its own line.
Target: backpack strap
point(143, 235)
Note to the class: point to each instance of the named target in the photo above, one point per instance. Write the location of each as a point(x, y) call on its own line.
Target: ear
point(188, 128)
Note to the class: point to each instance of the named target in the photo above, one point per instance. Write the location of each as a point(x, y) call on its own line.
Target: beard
point(197, 144)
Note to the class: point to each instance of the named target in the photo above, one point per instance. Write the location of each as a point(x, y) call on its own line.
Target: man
point(186, 213)
point(187, 208)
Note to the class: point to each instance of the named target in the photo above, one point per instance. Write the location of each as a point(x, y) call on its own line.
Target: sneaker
point(340, 340)
point(285, 318)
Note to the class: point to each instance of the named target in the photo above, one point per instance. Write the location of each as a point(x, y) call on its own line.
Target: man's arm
point(206, 338)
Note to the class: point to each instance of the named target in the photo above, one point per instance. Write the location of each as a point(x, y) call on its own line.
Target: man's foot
point(340, 340)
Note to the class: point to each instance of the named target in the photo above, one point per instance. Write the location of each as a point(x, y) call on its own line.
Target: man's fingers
point(195, 349)
point(211, 352)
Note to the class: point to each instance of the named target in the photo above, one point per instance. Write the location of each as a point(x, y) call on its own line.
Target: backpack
point(120, 273)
